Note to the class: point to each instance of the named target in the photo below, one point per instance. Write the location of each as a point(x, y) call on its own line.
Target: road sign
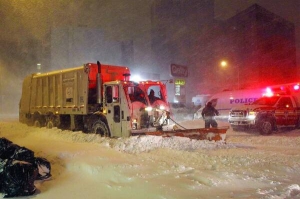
point(180, 82)
point(179, 70)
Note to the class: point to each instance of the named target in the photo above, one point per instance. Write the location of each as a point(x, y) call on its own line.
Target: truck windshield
point(154, 93)
point(135, 93)
point(269, 101)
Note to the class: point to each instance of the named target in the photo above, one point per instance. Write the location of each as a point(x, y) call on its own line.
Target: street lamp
point(38, 66)
point(224, 64)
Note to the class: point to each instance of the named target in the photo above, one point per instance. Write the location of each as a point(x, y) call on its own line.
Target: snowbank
point(248, 165)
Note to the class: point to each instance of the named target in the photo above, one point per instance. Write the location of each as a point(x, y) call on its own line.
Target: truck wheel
point(100, 127)
point(38, 123)
point(265, 127)
point(50, 124)
point(51, 121)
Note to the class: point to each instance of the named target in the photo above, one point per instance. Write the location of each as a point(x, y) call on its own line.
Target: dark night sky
point(30, 18)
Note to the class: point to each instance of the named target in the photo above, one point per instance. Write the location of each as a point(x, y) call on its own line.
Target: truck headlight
point(134, 124)
point(252, 115)
point(149, 108)
point(162, 107)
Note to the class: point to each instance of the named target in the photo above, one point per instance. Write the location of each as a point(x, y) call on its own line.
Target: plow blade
point(216, 134)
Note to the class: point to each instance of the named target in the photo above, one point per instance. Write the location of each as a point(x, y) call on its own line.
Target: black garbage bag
point(44, 168)
point(8, 152)
point(24, 154)
point(13, 151)
point(4, 144)
point(18, 179)
point(2, 164)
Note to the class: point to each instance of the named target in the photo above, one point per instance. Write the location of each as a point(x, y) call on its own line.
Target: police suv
point(278, 107)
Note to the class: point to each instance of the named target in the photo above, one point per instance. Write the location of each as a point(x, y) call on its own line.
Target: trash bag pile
point(19, 169)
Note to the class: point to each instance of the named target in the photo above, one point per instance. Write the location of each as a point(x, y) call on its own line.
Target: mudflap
point(211, 134)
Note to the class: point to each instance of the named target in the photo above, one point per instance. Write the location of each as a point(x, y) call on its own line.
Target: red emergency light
point(269, 92)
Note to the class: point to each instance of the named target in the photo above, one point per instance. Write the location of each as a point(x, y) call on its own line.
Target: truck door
point(285, 112)
point(112, 104)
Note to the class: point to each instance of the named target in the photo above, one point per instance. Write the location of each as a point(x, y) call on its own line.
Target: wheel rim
point(50, 125)
point(99, 128)
point(266, 127)
point(37, 123)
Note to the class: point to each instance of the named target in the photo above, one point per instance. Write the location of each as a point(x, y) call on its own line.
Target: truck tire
point(265, 127)
point(50, 124)
point(51, 121)
point(99, 127)
point(38, 122)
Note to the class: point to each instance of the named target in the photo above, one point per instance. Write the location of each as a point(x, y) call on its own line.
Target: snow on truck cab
point(278, 107)
point(226, 100)
point(93, 98)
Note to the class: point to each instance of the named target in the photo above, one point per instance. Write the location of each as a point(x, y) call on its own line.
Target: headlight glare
point(252, 115)
point(162, 107)
point(149, 108)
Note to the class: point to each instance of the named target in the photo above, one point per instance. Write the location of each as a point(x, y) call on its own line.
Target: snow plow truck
point(95, 98)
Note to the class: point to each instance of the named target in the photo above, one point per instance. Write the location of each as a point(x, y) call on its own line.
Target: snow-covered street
point(248, 165)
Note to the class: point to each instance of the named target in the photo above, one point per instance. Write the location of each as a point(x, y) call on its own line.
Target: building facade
point(263, 47)
point(258, 46)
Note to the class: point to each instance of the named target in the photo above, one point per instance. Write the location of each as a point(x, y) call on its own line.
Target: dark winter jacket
point(209, 111)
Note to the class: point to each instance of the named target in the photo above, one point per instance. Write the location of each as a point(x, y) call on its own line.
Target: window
point(117, 114)
point(109, 96)
point(285, 102)
point(112, 94)
point(135, 93)
point(269, 101)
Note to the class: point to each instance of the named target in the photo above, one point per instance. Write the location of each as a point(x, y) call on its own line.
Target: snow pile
point(138, 144)
point(291, 192)
point(248, 165)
